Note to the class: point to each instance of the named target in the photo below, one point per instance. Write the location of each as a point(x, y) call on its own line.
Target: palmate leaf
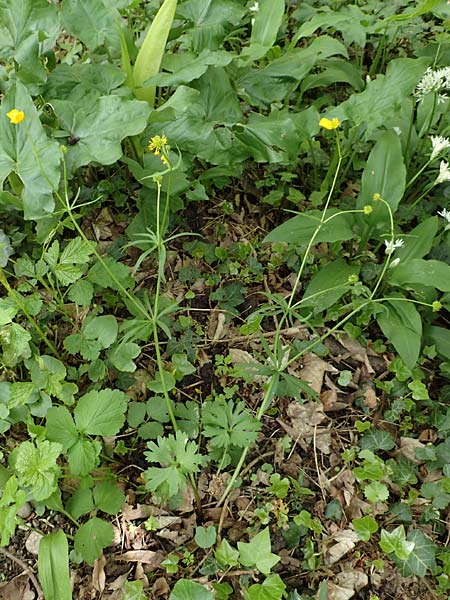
point(229, 424)
point(36, 467)
point(27, 151)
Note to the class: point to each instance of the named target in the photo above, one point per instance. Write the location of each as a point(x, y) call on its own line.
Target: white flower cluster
point(391, 245)
point(437, 81)
point(445, 214)
point(438, 144)
point(444, 173)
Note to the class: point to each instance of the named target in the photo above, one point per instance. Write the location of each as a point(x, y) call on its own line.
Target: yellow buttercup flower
point(367, 209)
point(376, 197)
point(158, 145)
point(16, 116)
point(329, 123)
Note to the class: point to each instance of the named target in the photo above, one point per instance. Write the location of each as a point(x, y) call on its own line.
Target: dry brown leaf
point(303, 429)
point(147, 557)
point(342, 543)
point(17, 589)
point(407, 449)
point(141, 511)
point(353, 580)
point(356, 351)
point(242, 357)
point(98, 574)
point(313, 371)
point(160, 587)
point(336, 592)
point(370, 399)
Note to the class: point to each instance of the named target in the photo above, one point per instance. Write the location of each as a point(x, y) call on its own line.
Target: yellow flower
point(436, 306)
point(329, 124)
point(376, 197)
point(158, 144)
point(352, 278)
point(16, 116)
point(368, 209)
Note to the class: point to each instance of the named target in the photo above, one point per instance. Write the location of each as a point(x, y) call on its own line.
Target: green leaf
point(434, 273)
point(11, 501)
point(108, 497)
point(100, 126)
point(257, 553)
point(376, 439)
point(150, 55)
point(93, 22)
point(36, 467)
point(419, 241)
point(80, 503)
point(61, 428)
point(122, 356)
point(205, 537)
point(421, 558)
point(53, 566)
point(185, 589)
point(384, 174)
point(265, 28)
point(101, 413)
point(440, 338)
point(229, 423)
point(226, 555)
point(401, 324)
point(134, 590)
point(104, 275)
point(92, 537)
point(395, 542)
point(272, 588)
point(104, 329)
point(26, 151)
point(376, 492)
point(83, 457)
point(300, 229)
point(81, 292)
point(328, 285)
point(365, 527)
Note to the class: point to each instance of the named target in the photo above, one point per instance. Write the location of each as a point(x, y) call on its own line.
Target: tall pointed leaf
point(53, 567)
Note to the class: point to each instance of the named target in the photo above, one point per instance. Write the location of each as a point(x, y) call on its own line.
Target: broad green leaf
point(26, 150)
point(83, 457)
point(226, 555)
point(148, 60)
point(60, 427)
point(81, 292)
point(395, 542)
point(101, 413)
point(434, 273)
point(184, 589)
point(424, 7)
point(272, 588)
point(122, 356)
point(336, 70)
point(384, 174)
point(257, 553)
point(69, 81)
point(265, 28)
point(376, 492)
point(80, 503)
point(108, 497)
point(328, 285)
point(104, 275)
point(300, 229)
point(385, 96)
point(94, 22)
point(364, 527)
point(419, 241)
point(28, 29)
point(401, 324)
point(134, 590)
point(376, 439)
point(186, 67)
point(205, 537)
point(103, 328)
point(92, 537)
point(422, 556)
point(99, 124)
point(440, 337)
point(53, 566)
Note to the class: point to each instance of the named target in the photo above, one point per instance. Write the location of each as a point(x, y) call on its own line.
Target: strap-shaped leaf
point(53, 567)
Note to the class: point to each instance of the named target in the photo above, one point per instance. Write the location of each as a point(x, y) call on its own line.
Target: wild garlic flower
point(254, 7)
point(394, 263)
point(438, 144)
point(5, 249)
point(437, 81)
point(444, 173)
point(445, 214)
point(391, 245)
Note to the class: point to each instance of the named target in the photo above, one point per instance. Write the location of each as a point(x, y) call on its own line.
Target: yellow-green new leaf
point(148, 60)
point(53, 567)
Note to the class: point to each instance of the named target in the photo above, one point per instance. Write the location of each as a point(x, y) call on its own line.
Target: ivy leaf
point(395, 542)
point(101, 413)
point(376, 439)
point(26, 150)
point(205, 537)
point(36, 467)
point(229, 423)
point(190, 590)
point(421, 558)
point(272, 588)
point(258, 553)
point(226, 555)
point(92, 537)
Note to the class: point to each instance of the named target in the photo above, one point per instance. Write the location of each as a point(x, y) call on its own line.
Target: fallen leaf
point(313, 371)
point(160, 587)
point(17, 589)
point(353, 580)
point(147, 557)
point(142, 511)
point(407, 449)
point(342, 543)
point(356, 351)
point(98, 574)
point(336, 592)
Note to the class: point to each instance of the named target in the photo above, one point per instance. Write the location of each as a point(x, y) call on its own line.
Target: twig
point(26, 569)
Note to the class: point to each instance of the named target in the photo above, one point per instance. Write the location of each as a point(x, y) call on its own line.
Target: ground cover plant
point(225, 274)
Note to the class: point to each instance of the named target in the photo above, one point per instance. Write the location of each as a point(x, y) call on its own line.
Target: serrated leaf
point(83, 457)
point(80, 503)
point(101, 413)
point(122, 356)
point(36, 467)
point(227, 423)
point(81, 292)
point(103, 328)
point(53, 566)
point(257, 553)
point(61, 428)
point(78, 251)
point(92, 537)
point(376, 492)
